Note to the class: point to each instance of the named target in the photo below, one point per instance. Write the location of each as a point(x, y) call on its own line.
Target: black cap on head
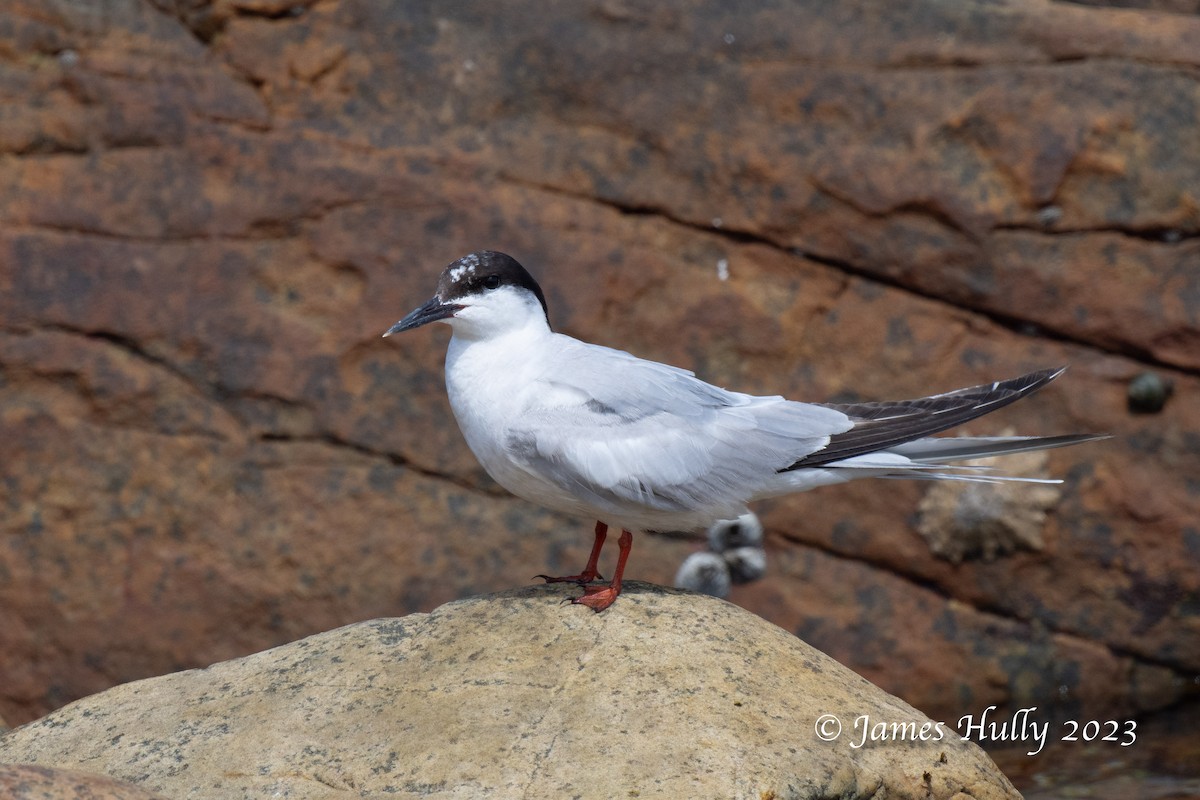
point(486, 270)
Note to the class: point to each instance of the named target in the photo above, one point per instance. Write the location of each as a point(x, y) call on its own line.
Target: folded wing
point(658, 436)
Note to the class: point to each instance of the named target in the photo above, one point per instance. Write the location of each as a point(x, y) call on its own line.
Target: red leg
point(590, 572)
point(599, 598)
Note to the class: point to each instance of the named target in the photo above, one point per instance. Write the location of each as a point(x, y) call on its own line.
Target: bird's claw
point(581, 578)
point(597, 598)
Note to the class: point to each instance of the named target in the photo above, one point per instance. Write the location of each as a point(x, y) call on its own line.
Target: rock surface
point(210, 210)
point(32, 782)
point(666, 694)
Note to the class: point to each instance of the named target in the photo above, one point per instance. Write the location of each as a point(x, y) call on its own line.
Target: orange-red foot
point(590, 572)
point(597, 598)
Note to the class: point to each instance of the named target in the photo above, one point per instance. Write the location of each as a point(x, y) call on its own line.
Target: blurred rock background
point(209, 211)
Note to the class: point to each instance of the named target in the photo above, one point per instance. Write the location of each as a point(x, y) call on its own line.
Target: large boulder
point(515, 695)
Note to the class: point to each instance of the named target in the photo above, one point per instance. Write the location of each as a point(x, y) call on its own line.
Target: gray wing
point(621, 428)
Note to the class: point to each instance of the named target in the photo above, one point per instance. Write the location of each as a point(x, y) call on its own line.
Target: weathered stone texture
point(667, 694)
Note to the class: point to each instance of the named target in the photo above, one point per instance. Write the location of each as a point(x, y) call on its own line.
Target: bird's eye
point(491, 282)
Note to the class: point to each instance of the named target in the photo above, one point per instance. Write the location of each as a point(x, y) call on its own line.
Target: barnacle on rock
point(1148, 393)
point(965, 520)
point(746, 564)
point(735, 555)
point(705, 572)
point(726, 534)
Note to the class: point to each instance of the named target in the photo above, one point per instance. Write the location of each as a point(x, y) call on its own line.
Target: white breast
point(491, 384)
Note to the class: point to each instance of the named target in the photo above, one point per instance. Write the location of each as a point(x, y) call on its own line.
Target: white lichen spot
point(1048, 216)
point(723, 269)
point(963, 520)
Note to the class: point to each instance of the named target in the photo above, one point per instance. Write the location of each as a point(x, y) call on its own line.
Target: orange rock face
point(210, 211)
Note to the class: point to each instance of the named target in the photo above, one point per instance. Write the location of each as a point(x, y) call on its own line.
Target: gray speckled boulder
point(666, 694)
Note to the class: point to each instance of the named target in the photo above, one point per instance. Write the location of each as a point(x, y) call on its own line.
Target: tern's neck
point(497, 367)
point(500, 354)
point(505, 334)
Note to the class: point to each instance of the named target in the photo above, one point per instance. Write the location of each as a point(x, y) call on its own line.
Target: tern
point(594, 432)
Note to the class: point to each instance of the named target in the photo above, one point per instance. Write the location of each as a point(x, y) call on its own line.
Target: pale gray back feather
point(658, 436)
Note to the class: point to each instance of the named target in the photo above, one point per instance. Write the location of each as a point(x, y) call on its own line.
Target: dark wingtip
point(882, 425)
